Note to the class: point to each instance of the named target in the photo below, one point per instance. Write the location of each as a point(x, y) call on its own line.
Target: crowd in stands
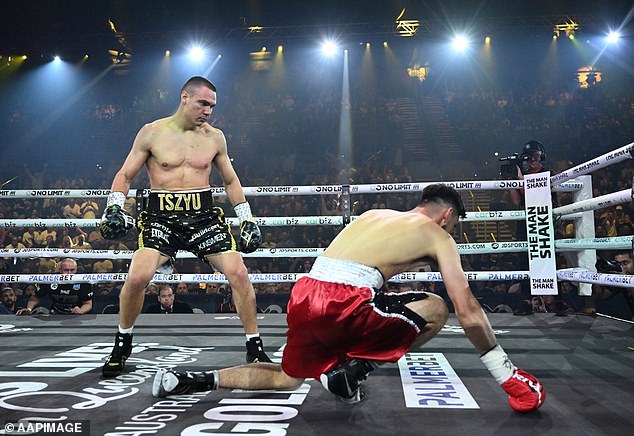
point(579, 125)
point(293, 128)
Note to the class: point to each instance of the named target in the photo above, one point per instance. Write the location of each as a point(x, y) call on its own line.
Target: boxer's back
point(389, 240)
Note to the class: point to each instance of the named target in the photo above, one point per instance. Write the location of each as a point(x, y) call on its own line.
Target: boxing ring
point(50, 364)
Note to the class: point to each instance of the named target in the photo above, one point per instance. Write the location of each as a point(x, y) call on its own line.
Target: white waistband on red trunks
point(347, 272)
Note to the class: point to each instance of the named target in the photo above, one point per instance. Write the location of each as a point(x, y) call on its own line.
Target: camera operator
point(530, 161)
point(615, 301)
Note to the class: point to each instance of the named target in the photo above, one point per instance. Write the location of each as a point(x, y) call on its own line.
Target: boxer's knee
point(286, 382)
point(236, 274)
point(432, 309)
point(137, 282)
point(439, 310)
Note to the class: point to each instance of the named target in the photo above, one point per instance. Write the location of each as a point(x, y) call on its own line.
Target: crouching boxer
point(341, 325)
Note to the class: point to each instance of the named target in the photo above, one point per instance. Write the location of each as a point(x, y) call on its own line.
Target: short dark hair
point(196, 82)
point(629, 253)
point(438, 193)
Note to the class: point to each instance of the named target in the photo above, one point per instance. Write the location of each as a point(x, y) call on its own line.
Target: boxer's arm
point(525, 391)
point(137, 157)
point(468, 310)
point(250, 235)
point(227, 173)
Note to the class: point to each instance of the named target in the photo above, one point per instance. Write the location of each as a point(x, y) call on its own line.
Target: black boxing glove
point(115, 222)
point(250, 235)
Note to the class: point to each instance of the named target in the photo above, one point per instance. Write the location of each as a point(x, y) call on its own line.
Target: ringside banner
point(540, 234)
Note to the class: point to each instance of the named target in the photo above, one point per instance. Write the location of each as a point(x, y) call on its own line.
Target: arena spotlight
point(167, 53)
point(460, 43)
point(197, 53)
point(56, 58)
point(613, 36)
point(329, 47)
point(568, 28)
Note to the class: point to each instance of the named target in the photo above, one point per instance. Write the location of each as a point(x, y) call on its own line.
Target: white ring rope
point(331, 220)
point(620, 197)
point(615, 243)
point(615, 156)
point(258, 191)
point(576, 275)
point(255, 278)
point(585, 276)
point(568, 212)
point(32, 253)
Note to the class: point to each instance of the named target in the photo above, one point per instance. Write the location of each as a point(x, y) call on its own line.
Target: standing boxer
point(179, 152)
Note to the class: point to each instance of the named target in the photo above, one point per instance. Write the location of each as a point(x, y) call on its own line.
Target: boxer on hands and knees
point(342, 323)
point(179, 152)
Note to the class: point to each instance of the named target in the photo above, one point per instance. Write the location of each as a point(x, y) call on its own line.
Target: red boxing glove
point(526, 393)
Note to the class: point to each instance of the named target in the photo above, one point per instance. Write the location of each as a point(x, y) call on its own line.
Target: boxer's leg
point(255, 376)
point(144, 263)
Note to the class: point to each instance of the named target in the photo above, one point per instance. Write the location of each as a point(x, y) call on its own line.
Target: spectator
point(9, 300)
point(15, 243)
point(102, 266)
point(72, 210)
point(46, 265)
point(227, 305)
point(152, 289)
point(66, 298)
point(182, 289)
point(615, 301)
point(30, 237)
point(29, 290)
point(89, 209)
point(624, 225)
point(167, 303)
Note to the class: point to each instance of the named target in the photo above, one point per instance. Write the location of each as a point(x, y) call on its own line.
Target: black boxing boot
point(120, 352)
point(168, 382)
point(345, 380)
point(255, 351)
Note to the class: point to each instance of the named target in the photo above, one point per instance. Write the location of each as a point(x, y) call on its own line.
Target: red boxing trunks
point(341, 318)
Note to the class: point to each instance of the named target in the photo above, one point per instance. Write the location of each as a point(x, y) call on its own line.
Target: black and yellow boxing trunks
point(184, 220)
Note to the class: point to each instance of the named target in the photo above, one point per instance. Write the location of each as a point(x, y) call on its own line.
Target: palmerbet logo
point(430, 382)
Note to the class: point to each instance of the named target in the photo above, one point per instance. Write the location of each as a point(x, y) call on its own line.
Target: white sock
point(124, 331)
point(255, 335)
